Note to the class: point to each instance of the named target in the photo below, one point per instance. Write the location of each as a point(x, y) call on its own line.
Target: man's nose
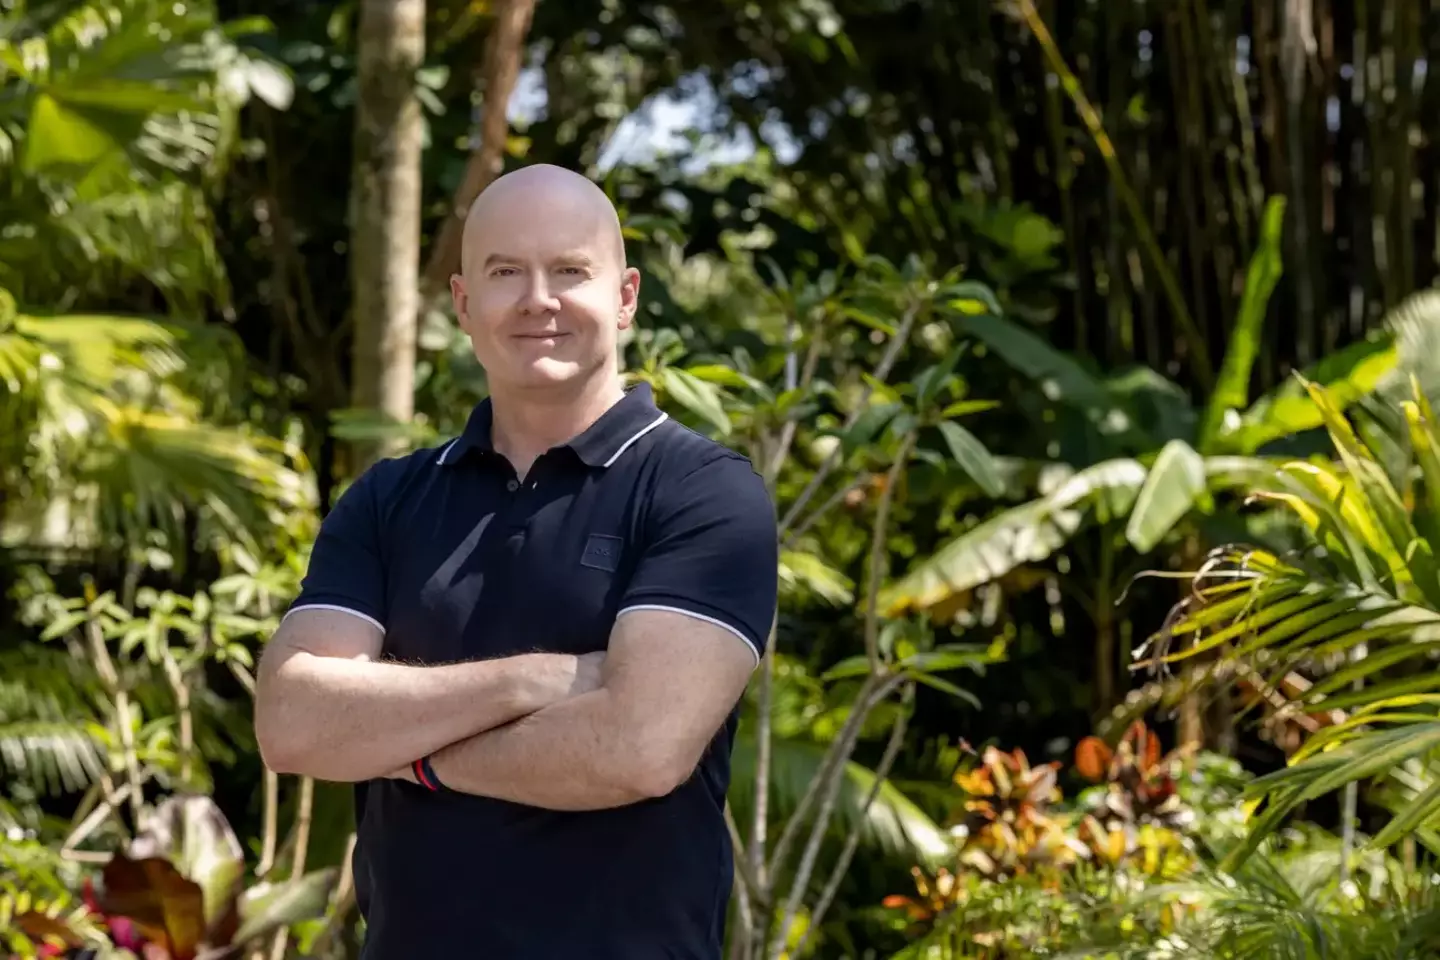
point(538, 297)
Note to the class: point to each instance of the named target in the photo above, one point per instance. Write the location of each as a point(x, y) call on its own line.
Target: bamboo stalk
point(1064, 180)
point(1198, 352)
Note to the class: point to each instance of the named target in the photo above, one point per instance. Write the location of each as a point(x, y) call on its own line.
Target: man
point(526, 646)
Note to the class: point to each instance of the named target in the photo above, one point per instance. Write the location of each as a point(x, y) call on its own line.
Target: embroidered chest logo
point(602, 552)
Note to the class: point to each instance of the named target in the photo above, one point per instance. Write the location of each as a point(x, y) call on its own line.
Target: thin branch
point(181, 689)
point(787, 432)
point(835, 499)
point(742, 865)
point(832, 886)
point(877, 550)
point(297, 864)
point(247, 680)
point(105, 667)
point(342, 902)
point(271, 824)
point(97, 816)
point(822, 817)
point(761, 821)
point(882, 370)
point(744, 894)
point(831, 759)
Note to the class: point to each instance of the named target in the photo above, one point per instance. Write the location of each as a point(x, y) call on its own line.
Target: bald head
point(543, 289)
point(542, 195)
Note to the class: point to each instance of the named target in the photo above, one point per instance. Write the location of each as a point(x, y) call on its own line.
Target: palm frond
point(51, 720)
point(1345, 633)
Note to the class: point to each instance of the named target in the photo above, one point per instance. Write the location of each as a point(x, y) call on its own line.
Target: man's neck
point(527, 423)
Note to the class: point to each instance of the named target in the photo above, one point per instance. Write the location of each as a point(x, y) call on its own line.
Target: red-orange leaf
point(167, 908)
point(1092, 758)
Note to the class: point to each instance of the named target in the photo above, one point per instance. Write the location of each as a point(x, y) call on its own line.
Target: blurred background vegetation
point(1090, 351)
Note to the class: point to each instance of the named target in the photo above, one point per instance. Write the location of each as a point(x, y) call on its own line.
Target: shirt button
point(513, 485)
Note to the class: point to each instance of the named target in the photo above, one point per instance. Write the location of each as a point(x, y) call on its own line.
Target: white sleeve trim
point(698, 616)
point(332, 606)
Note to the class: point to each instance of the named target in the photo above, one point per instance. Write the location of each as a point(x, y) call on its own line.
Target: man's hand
point(561, 676)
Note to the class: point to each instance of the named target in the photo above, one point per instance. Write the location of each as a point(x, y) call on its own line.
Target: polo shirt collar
point(600, 445)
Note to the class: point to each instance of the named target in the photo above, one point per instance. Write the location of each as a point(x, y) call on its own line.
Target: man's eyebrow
point(574, 257)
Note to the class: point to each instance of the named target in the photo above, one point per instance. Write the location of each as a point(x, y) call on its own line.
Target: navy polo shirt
point(457, 559)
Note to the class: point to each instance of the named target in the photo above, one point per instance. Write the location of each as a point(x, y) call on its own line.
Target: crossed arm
point(533, 729)
point(668, 683)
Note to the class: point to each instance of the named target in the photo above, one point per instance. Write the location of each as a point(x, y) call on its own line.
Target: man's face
point(543, 294)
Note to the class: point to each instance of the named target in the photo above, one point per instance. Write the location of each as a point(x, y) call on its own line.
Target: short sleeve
point(712, 552)
point(346, 570)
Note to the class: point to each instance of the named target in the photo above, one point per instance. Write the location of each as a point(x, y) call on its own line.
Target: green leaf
point(933, 378)
point(1059, 376)
point(722, 375)
point(267, 907)
point(1346, 375)
point(805, 570)
point(945, 686)
point(1232, 386)
point(971, 298)
point(1171, 488)
point(697, 396)
point(973, 458)
point(61, 136)
point(868, 425)
point(1019, 535)
point(949, 657)
point(962, 408)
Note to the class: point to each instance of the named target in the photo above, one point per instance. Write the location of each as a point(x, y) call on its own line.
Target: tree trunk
point(498, 73)
point(385, 214)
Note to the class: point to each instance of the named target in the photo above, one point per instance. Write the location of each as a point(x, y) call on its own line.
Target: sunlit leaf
point(972, 457)
point(1232, 385)
point(1171, 488)
point(267, 906)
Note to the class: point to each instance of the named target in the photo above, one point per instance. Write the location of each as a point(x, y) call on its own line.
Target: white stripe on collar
point(446, 452)
point(643, 430)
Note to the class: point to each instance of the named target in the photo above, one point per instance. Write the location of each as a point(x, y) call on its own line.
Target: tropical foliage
point(1005, 304)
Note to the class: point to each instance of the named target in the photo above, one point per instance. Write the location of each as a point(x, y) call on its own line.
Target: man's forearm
point(347, 720)
point(572, 755)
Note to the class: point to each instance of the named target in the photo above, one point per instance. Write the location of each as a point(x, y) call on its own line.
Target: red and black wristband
point(425, 773)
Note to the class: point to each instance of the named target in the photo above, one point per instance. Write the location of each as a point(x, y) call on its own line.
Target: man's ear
point(629, 296)
point(459, 298)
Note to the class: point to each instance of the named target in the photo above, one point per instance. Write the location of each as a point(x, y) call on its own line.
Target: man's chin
point(549, 372)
